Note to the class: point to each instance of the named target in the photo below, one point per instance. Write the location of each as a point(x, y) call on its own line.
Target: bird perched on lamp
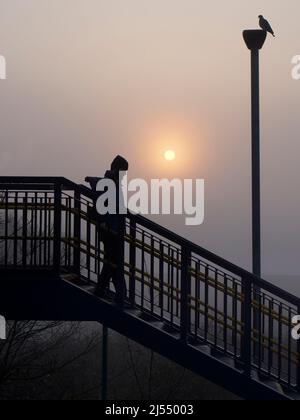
point(265, 26)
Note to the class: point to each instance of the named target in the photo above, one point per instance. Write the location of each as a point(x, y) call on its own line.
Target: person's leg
point(118, 273)
point(107, 270)
point(120, 287)
point(104, 278)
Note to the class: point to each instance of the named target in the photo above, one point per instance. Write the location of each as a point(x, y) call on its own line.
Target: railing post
point(132, 259)
point(185, 293)
point(247, 317)
point(77, 231)
point(24, 231)
point(104, 390)
point(57, 228)
point(121, 292)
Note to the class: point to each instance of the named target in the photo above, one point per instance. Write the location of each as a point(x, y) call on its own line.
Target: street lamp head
point(255, 38)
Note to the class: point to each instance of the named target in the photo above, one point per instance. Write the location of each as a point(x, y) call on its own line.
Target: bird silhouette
point(265, 26)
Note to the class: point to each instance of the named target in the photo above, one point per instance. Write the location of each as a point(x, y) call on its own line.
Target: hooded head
point(119, 164)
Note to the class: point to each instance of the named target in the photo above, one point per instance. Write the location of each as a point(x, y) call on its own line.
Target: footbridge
point(182, 301)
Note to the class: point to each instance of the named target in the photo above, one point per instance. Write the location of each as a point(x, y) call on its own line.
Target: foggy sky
point(89, 79)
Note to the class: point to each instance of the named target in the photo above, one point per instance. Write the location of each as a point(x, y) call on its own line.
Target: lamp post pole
point(255, 40)
point(256, 194)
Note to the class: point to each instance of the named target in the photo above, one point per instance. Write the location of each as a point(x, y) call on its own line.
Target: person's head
point(119, 164)
point(260, 16)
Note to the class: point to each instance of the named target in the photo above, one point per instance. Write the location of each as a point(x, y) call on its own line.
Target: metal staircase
point(182, 301)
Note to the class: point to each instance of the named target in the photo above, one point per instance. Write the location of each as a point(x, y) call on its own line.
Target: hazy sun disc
point(170, 155)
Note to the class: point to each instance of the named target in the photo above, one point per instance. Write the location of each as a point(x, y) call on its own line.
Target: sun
point(170, 155)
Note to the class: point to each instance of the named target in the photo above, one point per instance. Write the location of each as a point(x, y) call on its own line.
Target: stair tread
point(273, 384)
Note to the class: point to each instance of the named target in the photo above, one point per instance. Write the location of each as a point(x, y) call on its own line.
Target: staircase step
point(145, 316)
point(89, 288)
point(168, 328)
point(73, 278)
point(204, 349)
point(227, 360)
point(133, 312)
point(274, 385)
point(293, 395)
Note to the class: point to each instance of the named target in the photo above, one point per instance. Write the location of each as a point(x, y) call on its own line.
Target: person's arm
point(93, 181)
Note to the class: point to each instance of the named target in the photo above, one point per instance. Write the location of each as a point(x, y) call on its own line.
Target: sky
point(89, 79)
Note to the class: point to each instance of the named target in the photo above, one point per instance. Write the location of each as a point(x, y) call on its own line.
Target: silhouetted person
point(265, 26)
point(112, 236)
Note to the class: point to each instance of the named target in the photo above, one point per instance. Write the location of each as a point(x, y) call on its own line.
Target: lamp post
point(255, 40)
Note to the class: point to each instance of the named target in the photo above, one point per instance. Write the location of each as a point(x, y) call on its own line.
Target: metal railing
point(50, 223)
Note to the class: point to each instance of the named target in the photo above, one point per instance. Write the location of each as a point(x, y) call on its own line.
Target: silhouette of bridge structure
point(183, 301)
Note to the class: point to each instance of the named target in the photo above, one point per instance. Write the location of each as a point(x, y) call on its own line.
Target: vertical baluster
point(97, 251)
point(152, 274)
point(77, 231)
point(206, 321)
point(247, 337)
point(35, 229)
point(132, 259)
point(290, 348)
point(161, 279)
point(16, 204)
point(216, 310)
point(65, 230)
point(69, 209)
point(88, 248)
point(197, 299)
point(143, 269)
point(121, 293)
point(185, 292)
point(263, 328)
point(169, 280)
point(280, 342)
point(40, 230)
point(6, 227)
point(49, 233)
point(270, 341)
point(32, 231)
point(259, 325)
point(177, 283)
point(172, 292)
point(225, 312)
point(24, 231)
point(45, 228)
point(57, 228)
point(235, 318)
